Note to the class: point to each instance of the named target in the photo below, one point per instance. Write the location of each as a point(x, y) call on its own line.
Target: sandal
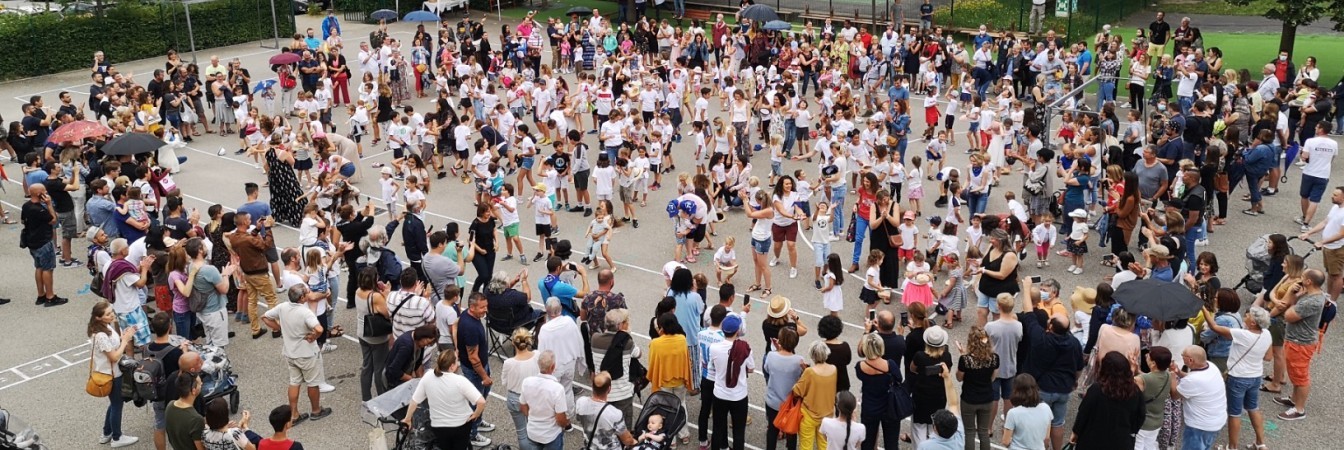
point(765, 293)
point(1272, 391)
point(337, 331)
point(298, 419)
point(754, 288)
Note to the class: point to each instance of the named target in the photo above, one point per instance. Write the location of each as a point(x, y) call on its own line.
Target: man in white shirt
point(1331, 241)
point(1317, 152)
point(732, 360)
point(300, 329)
point(368, 60)
point(1201, 386)
point(542, 400)
point(560, 335)
point(1269, 85)
point(602, 421)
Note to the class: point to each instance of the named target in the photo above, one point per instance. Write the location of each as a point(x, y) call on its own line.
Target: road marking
point(42, 367)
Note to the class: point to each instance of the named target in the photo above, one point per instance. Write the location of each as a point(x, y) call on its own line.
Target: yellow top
point(817, 392)
point(669, 362)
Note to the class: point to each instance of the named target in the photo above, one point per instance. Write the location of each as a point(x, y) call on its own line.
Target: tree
point(1297, 13)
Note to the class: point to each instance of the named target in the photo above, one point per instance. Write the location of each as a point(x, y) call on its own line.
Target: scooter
point(17, 435)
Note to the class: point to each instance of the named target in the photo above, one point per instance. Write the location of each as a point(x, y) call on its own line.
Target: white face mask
point(1283, 58)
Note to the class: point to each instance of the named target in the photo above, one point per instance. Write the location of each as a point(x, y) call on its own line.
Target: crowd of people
point(608, 116)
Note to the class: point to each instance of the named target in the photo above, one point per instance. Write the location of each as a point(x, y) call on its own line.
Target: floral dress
point(285, 190)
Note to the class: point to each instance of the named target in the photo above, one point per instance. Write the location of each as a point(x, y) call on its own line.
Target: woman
point(1219, 345)
point(829, 329)
point(841, 429)
point(180, 283)
point(1027, 424)
point(741, 115)
point(863, 211)
point(885, 222)
point(761, 233)
point(690, 308)
point(1309, 70)
point(1139, 71)
point(998, 272)
point(1243, 372)
point(454, 404)
point(110, 343)
point(371, 299)
point(287, 199)
point(816, 387)
point(515, 370)
point(878, 374)
point(976, 370)
point(1156, 387)
point(782, 369)
point(1112, 410)
point(670, 364)
point(403, 360)
point(978, 186)
point(222, 433)
point(784, 203)
point(924, 382)
point(1289, 273)
point(1077, 182)
point(484, 236)
point(1126, 214)
point(779, 316)
point(1118, 337)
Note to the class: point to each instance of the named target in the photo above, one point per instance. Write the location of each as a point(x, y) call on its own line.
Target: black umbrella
point(758, 13)
point(579, 10)
point(1159, 300)
point(384, 14)
point(132, 144)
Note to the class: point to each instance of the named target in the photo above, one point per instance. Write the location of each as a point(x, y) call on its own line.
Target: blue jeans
point(612, 151)
point(809, 75)
point(1186, 103)
point(1242, 394)
point(791, 135)
point(1059, 405)
point(977, 203)
point(112, 422)
point(1105, 93)
point(485, 391)
point(557, 444)
point(184, 322)
point(1191, 235)
point(680, 7)
point(838, 208)
point(519, 422)
point(860, 230)
point(900, 147)
point(1196, 439)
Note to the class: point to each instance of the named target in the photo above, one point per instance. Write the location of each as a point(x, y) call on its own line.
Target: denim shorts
point(822, 251)
point(761, 246)
point(526, 162)
point(1002, 388)
point(44, 257)
point(1059, 406)
point(1197, 439)
point(1242, 393)
point(984, 301)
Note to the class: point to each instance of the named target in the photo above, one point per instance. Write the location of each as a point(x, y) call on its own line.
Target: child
point(544, 217)
point(935, 151)
point(639, 174)
point(317, 265)
point(896, 179)
point(652, 438)
point(134, 207)
point(681, 228)
point(973, 133)
point(506, 207)
point(821, 239)
point(1067, 128)
point(390, 190)
point(655, 155)
point(413, 195)
point(1044, 236)
point(776, 157)
point(950, 116)
point(832, 297)
point(725, 261)
point(947, 245)
point(917, 280)
point(915, 184)
point(872, 285)
point(931, 114)
point(974, 234)
point(909, 238)
point(1077, 243)
point(446, 315)
point(804, 190)
point(952, 295)
point(599, 232)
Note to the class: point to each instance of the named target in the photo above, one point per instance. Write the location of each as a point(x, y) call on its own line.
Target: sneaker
point(507, 257)
point(377, 165)
point(793, 272)
point(774, 262)
point(485, 427)
point(1201, 242)
point(221, 152)
point(325, 388)
point(480, 441)
point(522, 260)
point(1304, 229)
point(57, 301)
point(535, 259)
point(635, 223)
point(576, 208)
point(1071, 268)
point(817, 283)
point(1285, 401)
point(1292, 414)
point(1078, 271)
point(104, 440)
point(41, 301)
point(70, 263)
point(1039, 264)
point(587, 212)
point(124, 441)
point(1300, 221)
point(328, 347)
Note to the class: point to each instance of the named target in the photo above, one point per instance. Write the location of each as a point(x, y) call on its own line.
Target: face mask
point(1045, 296)
point(1162, 107)
point(1283, 58)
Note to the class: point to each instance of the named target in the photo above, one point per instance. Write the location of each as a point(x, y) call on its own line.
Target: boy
point(544, 217)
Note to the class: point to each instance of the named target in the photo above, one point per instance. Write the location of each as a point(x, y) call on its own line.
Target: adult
point(1331, 241)
point(1155, 386)
point(543, 401)
point(878, 374)
point(409, 308)
point(595, 306)
point(473, 344)
point(1152, 173)
point(925, 368)
point(1218, 348)
point(1204, 397)
point(1005, 336)
point(1037, 182)
point(163, 350)
point(1318, 152)
point(760, 241)
point(1027, 424)
point(453, 403)
point(1112, 411)
point(124, 282)
point(300, 328)
point(884, 223)
point(863, 206)
point(947, 431)
point(440, 271)
point(553, 286)
point(1119, 337)
point(185, 428)
point(1077, 182)
point(782, 369)
point(407, 353)
point(816, 387)
point(371, 305)
point(1126, 214)
point(287, 199)
point(732, 360)
point(1260, 158)
point(613, 351)
point(977, 368)
point(784, 202)
point(689, 310)
point(38, 216)
point(1244, 371)
point(59, 186)
point(670, 362)
point(601, 420)
point(561, 337)
point(998, 275)
point(1056, 359)
point(109, 342)
point(503, 295)
point(1301, 311)
point(101, 208)
point(252, 244)
point(353, 227)
point(484, 236)
point(1191, 203)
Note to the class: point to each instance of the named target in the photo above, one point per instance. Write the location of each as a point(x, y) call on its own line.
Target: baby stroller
point(669, 406)
point(17, 435)
point(1257, 262)
point(217, 377)
point(387, 411)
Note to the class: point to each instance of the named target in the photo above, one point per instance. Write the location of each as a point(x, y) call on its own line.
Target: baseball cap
point(731, 324)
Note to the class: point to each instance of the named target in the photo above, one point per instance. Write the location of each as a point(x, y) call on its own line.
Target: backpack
point(149, 376)
point(287, 80)
point(96, 283)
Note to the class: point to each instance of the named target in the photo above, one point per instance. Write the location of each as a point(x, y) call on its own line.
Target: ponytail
point(447, 359)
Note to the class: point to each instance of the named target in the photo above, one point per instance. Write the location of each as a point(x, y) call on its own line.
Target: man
point(1318, 152)
point(893, 342)
point(163, 350)
point(1301, 310)
point(727, 296)
point(100, 97)
point(1191, 204)
point(210, 287)
point(949, 431)
point(1153, 180)
point(1205, 398)
point(600, 301)
point(602, 421)
point(1332, 241)
point(101, 209)
point(1158, 32)
point(440, 271)
point(251, 248)
point(553, 286)
point(36, 122)
point(59, 188)
point(1269, 84)
point(1284, 69)
point(705, 340)
point(330, 24)
point(260, 211)
point(413, 238)
point(732, 360)
point(310, 69)
point(925, 15)
point(1055, 359)
point(188, 364)
point(300, 328)
point(408, 307)
point(38, 216)
point(542, 400)
point(1005, 334)
point(617, 344)
point(1037, 15)
point(473, 346)
point(67, 105)
point(560, 335)
point(185, 428)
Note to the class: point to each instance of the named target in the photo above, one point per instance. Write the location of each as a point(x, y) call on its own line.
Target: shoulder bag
point(790, 417)
point(376, 325)
point(1243, 354)
point(902, 404)
point(99, 384)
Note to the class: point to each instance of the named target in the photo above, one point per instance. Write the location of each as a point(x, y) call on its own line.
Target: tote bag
point(790, 417)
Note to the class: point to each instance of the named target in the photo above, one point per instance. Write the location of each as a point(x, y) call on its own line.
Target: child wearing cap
point(390, 189)
point(909, 237)
point(1077, 243)
point(544, 217)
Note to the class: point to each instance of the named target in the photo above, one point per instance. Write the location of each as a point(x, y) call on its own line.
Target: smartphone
point(872, 314)
point(905, 319)
point(746, 299)
point(1035, 279)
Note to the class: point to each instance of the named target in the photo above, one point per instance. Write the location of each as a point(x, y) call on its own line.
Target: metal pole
point(275, 25)
point(191, 34)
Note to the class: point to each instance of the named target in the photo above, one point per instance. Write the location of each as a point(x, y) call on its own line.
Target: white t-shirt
point(1246, 358)
point(1334, 222)
point(1205, 399)
point(451, 398)
point(1030, 426)
point(544, 397)
point(602, 180)
point(542, 205)
point(1321, 151)
point(788, 201)
point(835, 430)
point(296, 320)
point(507, 217)
point(718, 355)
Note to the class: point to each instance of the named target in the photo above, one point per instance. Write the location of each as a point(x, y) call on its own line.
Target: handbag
point(902, 404)
point(376, 325)
point(99, 384)
point(849, 230)
point(790, 417)
point(894, 240)
point(1221, 182)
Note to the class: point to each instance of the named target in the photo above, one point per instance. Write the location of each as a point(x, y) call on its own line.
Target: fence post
point(952, 13)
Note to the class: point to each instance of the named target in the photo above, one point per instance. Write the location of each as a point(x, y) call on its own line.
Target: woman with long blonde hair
point(976, 369)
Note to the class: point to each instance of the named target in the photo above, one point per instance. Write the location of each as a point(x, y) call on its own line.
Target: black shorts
point(272, 255)
point(698, 234)
point(581, 180)
point(543, 229)
point(398, 153)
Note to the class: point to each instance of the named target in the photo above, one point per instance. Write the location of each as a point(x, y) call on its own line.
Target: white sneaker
point(126, 440)
point(774, 262)
point(485, 427)
point(1201, 242)
point(480, 441)
point(793, 272)
point(328, 347)
point(1039, 264)
point(1078, 271)
point(104, 440)
point(325, 388)
point(1071, 268)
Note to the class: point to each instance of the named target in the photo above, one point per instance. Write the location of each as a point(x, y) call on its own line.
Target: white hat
point(387, 170)
point(935, 336)
point(1078, 213)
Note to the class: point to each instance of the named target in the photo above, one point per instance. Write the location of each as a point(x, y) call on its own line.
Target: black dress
point(285, 190)
point(841, 357)
point(890, 271)
point(1106, 423)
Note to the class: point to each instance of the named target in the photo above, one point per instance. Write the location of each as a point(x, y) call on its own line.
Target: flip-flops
point(299, 419)
point(324, 412)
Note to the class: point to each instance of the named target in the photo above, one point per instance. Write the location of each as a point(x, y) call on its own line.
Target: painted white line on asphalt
point(26, 378)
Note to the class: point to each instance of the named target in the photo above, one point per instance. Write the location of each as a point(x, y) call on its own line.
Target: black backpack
point(149, 374)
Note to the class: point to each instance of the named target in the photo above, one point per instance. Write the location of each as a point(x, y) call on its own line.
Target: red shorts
point(1299, 358)
point(931, 115)
point(786, 233)
point(905, 254)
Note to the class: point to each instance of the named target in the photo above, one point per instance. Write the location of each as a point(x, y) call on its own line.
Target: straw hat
point(779, 307)
point(1083, 298)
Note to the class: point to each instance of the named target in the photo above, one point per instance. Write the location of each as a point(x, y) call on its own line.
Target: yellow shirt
point(818, 393)
point(669, 362)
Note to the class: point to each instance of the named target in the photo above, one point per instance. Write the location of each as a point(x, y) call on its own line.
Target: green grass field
point(1253, 50)
point(1219, 7)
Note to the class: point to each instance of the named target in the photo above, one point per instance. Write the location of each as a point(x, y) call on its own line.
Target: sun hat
point(1078, 213)
point(1083, 298)
point(779, 306)
point(935, 336)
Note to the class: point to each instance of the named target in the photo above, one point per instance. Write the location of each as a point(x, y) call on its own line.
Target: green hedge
point(1087, 17)
point(44, 44)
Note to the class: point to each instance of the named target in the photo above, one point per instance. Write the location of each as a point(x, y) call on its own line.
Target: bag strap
point(1248, 350)
point(589, 442)
point(393, 316)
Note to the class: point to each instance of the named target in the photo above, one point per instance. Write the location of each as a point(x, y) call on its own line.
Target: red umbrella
point(79, 131)
point(285, 58)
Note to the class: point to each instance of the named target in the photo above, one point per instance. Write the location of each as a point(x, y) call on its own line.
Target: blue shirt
point(255, 210)
point(313, 42)
point(1073, 195)
point(35, 177)
point(1084, 62)
point(690, 309)
point(896, 92)
point(130, 233)
point(956, 442)
point(560, 290)
point(103, 213)
point(1162, 273)
point(471, 334)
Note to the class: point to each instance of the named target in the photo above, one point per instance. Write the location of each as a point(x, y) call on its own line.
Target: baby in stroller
point(652, 438)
